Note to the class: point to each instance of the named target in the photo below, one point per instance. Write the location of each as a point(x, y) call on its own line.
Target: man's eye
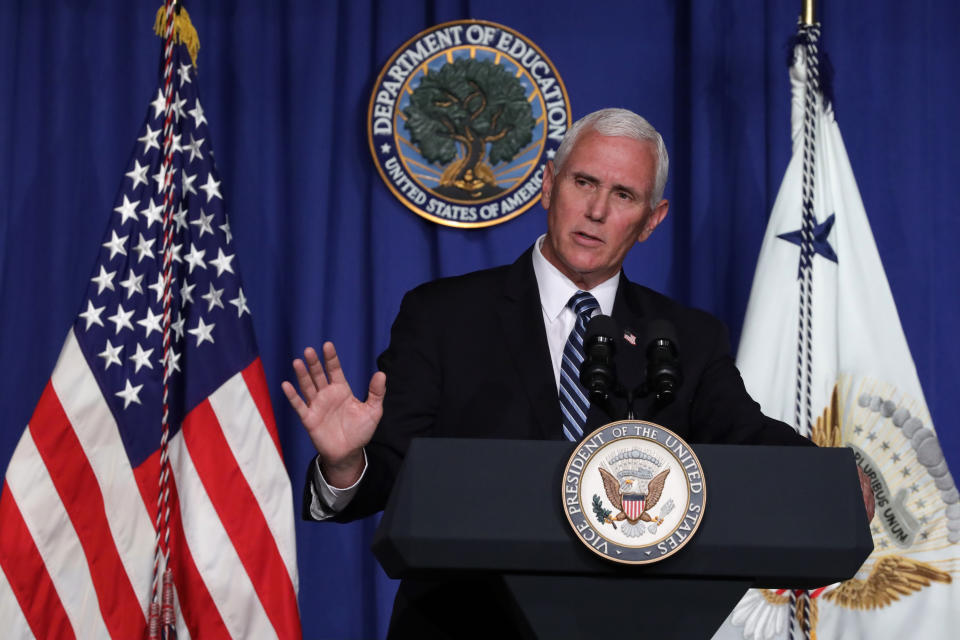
point(623, 195)
point(581, 182)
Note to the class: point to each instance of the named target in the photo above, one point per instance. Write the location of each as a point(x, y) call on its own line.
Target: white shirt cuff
point(326, 500)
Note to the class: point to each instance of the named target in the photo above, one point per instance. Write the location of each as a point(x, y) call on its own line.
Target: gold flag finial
point(183, 30)
point(808, 13)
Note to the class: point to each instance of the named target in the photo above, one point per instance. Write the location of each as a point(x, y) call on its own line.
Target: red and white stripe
point(77, 540)
point(633, 507)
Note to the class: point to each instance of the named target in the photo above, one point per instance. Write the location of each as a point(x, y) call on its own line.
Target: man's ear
point(548, 176)
point(653, 220)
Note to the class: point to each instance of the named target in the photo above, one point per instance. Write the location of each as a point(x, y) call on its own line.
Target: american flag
point(79, 500)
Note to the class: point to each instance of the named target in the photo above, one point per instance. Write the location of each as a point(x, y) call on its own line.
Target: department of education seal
point(634, 492)
point(462, 120)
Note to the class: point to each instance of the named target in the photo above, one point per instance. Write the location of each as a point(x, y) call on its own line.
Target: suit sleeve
point(322, 501)
point(723, 411)
point(414, 386)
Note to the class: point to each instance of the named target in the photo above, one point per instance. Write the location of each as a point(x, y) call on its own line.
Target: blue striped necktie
point(574, 403)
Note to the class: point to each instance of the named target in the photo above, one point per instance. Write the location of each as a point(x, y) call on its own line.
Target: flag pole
point(801, 606)
point(808, 13)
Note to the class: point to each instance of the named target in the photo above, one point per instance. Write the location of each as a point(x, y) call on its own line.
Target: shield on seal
point(633, 505)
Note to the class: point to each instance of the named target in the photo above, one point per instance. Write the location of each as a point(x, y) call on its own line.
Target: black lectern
point(775, 517)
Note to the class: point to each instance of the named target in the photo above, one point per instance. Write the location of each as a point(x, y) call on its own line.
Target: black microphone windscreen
point(601, 325)
point(658, 329)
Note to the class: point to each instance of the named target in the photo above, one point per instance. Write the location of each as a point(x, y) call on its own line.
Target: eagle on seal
point(616, 490)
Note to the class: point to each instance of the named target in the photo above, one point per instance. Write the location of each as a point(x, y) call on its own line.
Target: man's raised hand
point(338, 423)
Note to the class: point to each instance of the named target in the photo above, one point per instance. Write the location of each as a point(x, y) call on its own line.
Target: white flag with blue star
point(823, 350)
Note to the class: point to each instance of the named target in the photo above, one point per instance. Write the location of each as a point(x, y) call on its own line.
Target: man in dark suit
point(480, 355)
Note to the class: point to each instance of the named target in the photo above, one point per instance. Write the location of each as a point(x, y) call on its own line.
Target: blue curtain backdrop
point(326, 251)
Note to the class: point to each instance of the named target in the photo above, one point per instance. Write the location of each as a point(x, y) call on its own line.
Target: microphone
point(664, 376)
point(598, 374)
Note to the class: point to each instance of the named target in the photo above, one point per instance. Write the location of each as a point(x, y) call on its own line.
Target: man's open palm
point(338, 423)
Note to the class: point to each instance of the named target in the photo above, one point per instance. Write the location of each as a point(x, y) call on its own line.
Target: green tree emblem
point(471, 103)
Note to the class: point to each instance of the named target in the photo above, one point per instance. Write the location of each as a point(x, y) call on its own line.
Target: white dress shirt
point(556, 290)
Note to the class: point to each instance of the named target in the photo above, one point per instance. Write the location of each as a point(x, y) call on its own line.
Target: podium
point(776, 517)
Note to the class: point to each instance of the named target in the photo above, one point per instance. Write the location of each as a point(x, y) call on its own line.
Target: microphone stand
point(631, 395)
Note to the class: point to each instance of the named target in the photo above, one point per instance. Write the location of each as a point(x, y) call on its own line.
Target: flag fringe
point(183, 31)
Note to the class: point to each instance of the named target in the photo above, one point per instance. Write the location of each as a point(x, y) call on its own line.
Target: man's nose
point(597, 207)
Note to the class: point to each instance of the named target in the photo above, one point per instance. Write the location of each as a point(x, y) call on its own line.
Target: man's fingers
point(377, 389)
point(295, 400)
point(869, 500)
point(315, 368)
point(304, 380)
point(333, 364)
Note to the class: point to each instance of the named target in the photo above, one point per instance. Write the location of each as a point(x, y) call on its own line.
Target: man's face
point(598, 206)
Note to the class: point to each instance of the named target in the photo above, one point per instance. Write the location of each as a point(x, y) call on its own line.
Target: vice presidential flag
point(79, 505)
point(823, 349)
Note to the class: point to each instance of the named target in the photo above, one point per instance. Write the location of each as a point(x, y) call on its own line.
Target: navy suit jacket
point(468, 357)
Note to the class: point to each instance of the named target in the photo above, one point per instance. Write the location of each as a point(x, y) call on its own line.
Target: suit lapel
point(521, 318)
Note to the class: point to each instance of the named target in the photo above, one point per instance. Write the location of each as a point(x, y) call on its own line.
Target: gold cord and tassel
point(183, 30)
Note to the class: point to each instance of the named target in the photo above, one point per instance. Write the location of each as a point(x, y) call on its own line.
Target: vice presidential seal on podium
point(634, 492)
point(462, 120)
